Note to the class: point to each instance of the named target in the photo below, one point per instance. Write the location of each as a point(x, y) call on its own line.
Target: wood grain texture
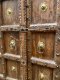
point(39, 69)
point(10, 72)
point(48, 39)
point(39, 16)
point(13, 17)
point(7, 40)
point(24, 26)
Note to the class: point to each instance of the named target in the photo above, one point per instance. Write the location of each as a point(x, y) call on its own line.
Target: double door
point(29, 40)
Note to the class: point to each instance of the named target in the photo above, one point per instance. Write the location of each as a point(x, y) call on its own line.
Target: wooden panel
point(38, 71)
point(10, 18)
point(8, 36)
point(12, 69)
point(49, 40)
point(39, 16)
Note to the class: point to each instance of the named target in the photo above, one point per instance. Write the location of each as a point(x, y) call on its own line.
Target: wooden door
point(12, 40)
point(43, 44)
point(29, 40)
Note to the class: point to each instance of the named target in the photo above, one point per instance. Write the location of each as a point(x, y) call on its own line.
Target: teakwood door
point(29, 40)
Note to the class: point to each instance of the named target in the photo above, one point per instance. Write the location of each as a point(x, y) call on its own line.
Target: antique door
point(29, 40)
point(12, 40)
point(43, 42)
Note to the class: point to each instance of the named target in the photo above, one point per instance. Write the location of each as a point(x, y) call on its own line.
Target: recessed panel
point(12, 69)
point(10, 12)
point(41, 73)
point(43, 44)
point(11, 42)
point(43, 11)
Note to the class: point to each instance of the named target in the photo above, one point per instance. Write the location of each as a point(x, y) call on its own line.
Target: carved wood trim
point(13, 28)
point(43, 62)
point(12, 57)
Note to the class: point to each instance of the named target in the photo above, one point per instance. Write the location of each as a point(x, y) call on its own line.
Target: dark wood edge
point(43, 62)
point(12, 57)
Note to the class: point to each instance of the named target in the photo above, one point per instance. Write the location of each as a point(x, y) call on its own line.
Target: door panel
point(40, 73)
point(10, 12)
point(43, 11)
point(48, 38)
point(12, 69)
point(13, 38)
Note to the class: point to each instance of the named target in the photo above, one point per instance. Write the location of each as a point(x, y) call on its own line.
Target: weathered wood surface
point(25, 23)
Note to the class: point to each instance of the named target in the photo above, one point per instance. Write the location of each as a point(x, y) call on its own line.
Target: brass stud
point(40, 47)
point(43, 7)
point(13, 68)
point(12, 44)
point(41, 76)
point(9, 11)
